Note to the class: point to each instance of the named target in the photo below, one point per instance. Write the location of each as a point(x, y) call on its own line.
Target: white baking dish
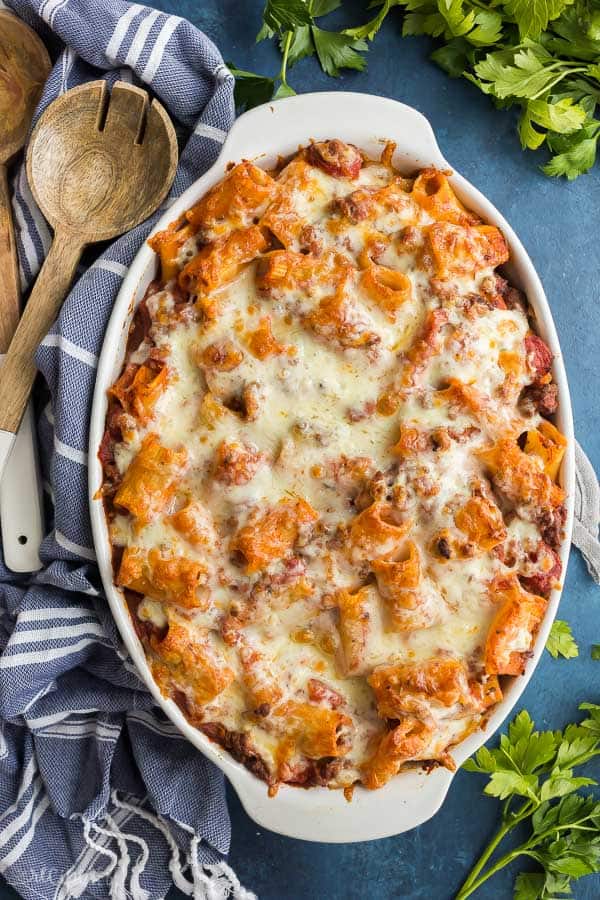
point(263, 134)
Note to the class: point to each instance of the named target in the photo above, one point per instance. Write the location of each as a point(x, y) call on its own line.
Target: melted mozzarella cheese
point(317, 408)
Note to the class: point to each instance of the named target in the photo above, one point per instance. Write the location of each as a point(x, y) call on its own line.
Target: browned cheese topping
point(330, 469)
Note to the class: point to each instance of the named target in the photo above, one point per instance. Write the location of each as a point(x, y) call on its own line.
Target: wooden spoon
point(24, 67)
point(98, 164)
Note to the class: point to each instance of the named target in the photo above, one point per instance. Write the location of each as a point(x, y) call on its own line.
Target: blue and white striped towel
point(100, 796)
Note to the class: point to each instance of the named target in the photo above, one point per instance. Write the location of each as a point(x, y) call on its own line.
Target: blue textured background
point(559, 224)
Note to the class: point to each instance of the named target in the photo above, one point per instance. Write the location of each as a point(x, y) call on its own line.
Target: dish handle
point(283, 125)
point(321, 815)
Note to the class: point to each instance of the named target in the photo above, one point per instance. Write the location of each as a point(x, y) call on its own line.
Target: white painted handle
point(278, 127)
point(21, 510)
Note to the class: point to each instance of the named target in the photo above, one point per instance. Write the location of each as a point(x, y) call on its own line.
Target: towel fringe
point(179, 880)
point(210, 882)
point(217, 881)
point(75, 881)
point(118, 881)
point(136, 891)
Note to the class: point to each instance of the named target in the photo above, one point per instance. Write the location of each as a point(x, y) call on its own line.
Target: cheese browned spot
point(329, 479)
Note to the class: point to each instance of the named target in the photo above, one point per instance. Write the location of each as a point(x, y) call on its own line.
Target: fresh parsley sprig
point(532, 773)
point(293, 23)
point(540, 56)
point(561, 641)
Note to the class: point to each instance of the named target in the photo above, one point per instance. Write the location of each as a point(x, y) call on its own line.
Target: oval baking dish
point(264, 134)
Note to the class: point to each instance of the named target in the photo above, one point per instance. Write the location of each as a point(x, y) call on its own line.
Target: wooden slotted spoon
point(24, 68)
point(98, 163)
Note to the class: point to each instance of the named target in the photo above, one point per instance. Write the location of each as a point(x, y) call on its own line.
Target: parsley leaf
point(323, 7)
point(487, 28)
point(457, 23)
point(529, 886)
point(338, 51)
point(576, 33)
point(483, 762)
point(560, 640)
point(282, 15)
point(284, 90)
point(577, 153)
point(368, 31)
point(524, 72)
point(532, 139)
point(592, 723)
point(453, 57)
point(508, 784)
point(560, 786)
point(532, 16)
point(301, 44)
point(563, 116)
point(575, 747)
point(251, 89)
point(526, 748)
point(418, 23)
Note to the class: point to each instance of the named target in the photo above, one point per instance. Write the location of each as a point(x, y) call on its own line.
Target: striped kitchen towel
point(100, 796)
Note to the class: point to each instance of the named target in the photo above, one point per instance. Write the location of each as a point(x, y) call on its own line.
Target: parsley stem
point(467, 889)
point(285, 52)
point(470, 886)
point(555, 81)
point(475, 885)
point(472, 881)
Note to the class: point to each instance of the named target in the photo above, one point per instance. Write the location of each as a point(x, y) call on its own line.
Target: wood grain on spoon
point(98, 164)
point(24, 67)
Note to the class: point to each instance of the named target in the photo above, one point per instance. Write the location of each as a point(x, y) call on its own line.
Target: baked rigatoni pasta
point(330, 469)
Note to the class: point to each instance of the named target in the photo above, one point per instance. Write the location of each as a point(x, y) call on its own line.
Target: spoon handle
point(21, 513)
point(43, 306)
point(9, 270)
